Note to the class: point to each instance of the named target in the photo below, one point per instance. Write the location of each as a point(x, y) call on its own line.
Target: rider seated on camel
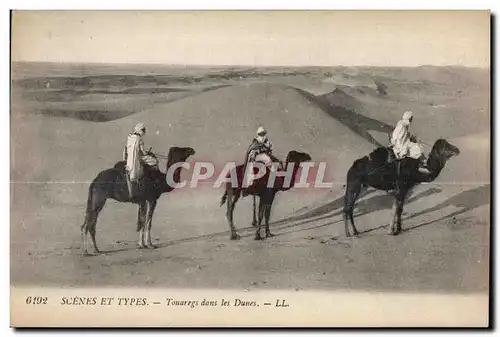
point(135, 156)
point(261, 149)
point(404, 144)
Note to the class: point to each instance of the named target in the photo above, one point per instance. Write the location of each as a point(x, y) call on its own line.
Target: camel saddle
point(248, 190)
point(382, 155)
point(147, 160)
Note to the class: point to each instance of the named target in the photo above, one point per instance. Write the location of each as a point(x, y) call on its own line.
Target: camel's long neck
point(176, 178)
point(435, 165)
point(296, 167)
point(165, 186)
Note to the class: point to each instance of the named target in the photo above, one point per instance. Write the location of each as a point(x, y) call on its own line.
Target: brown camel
point(111, 184)
point(259, 188)
point(399, 176)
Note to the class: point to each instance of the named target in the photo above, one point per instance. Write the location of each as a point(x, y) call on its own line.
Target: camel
point(259, 188)
point(111, 184)
point(376, 171)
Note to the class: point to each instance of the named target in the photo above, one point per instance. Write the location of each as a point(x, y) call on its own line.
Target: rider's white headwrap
point(139, 128)
point(261, 138)
point(407, 115)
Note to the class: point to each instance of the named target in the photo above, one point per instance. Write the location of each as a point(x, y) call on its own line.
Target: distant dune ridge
point(340, 99)
point(221, 124)
point(217, 112)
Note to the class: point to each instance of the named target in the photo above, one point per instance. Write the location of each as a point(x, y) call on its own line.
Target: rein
point(429, 146)
point(378, 168)
point(160, 155)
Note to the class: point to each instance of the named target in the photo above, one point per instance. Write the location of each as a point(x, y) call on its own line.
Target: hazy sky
point(254, 38)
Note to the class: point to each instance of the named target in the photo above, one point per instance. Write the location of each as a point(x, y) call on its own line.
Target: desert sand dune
point(440, 110)
point(446, 230)
point(221, 124)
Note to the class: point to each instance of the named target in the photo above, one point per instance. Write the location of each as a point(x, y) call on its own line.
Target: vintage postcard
point(250, 168)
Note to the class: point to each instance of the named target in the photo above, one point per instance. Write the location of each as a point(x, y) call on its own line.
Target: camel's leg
point(400, 199)
point(92, 231)
point(141, 222)
point(346, 222)
point(84, 231)
point(151, 209)
point(397, 209)
point(254, 217)
point(144, 222)
point(354, 229)
point(392, 226)
point(262, 208)
point(362, 190)
point(232, 198)
point(268, 216)
point(353, 191)
point(139, 226)
point(89, 226)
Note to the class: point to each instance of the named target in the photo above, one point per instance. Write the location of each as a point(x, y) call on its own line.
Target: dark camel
point(377, 172)
point(111, 184)
point(260, 188)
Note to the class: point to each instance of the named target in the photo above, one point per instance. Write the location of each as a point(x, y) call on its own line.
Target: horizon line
point(180, 65)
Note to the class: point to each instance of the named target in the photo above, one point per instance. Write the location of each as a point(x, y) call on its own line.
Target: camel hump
point(380, 154)
point(120, 166)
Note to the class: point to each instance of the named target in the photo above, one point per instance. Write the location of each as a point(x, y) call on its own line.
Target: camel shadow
point(164, 244)
point(319, 211)
point(424, 194)
point(363, 207)
point(305, 229)
point(383, 202)
point(380, 202)
point(129, 247)
point(466, 201)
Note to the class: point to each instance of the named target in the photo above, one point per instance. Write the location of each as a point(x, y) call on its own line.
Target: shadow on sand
point(363, 207)
point(467, 200)
point(358, 123)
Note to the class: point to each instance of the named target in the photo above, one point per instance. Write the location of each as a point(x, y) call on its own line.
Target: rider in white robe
point(404, 144)
point(134, 151)
point(133, 154)
point(261, 150)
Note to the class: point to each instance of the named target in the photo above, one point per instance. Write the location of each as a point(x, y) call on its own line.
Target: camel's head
point(444, 149)
point(189, 152)
point(179, 154)
point(297, 157)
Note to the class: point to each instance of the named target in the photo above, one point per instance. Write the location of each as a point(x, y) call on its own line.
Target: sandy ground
point(444, 246)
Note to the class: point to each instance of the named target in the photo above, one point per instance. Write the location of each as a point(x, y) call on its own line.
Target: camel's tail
point(223, 199)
